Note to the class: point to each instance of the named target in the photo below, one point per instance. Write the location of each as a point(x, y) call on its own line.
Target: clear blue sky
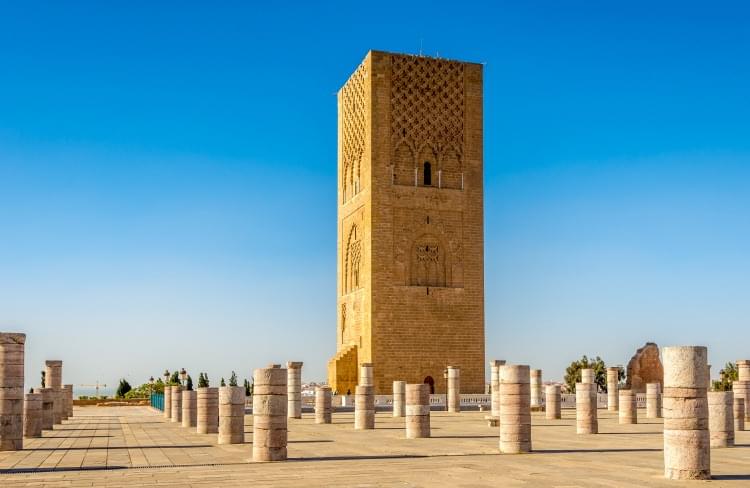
point(168, 177)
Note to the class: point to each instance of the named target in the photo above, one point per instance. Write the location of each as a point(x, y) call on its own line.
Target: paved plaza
point(135, 446)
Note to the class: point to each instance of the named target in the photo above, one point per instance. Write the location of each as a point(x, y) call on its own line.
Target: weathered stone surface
point(553, 401)
point(454, 389)
point(189, 408)
point(613, 379)
point(739, 414)
point(32, 415)
point(399, 398)
point(495, 385)
point(176, 415)
point(167, 414)
point(586, 414)
point(687, 453)
point(536, 387)
point(721, 418)
point(653, 400)
point(364, 407)
point(207, 405)
point(628, 413)
point(515, 409)
point(587, 376)
point(644, 367)
point(294, 389)
point(232, 414)
point(270, 414)
point(417, 411)
point(11, 388)
point(48, 418)
point(323, 405)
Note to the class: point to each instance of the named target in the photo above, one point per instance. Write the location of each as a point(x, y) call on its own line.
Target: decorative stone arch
point(451, 166)
point(353, 260)
point(403, 163)
point(429, 263)
point(427, 154)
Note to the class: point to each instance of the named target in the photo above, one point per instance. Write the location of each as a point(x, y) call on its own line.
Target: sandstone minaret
point(410, 275)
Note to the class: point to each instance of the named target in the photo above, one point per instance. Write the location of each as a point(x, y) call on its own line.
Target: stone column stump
point(53, 379)
point(323, 405)
point(628, 408)
point(587, 376)
point(687, 453)
point(515, 409)
point(189, 408)
point(653, 400)
point(536, 387)
point(176, 416)
point(48, 406)
point(454, 389)
point(270, 404)
point(294, 389)
point(613, 379)
point(587, 421)
point(68, 392)
point(366, 375)
point(495, 385)
point(364, 407)
point(207, 406)
point(232, 414)
point(553, 400)
point(739, 414)
point(167, 402)
point(743, 370)
point(399, 398)
point(741, 389)
point(417, 411)
point(721, 418)
point(32, 415)
point(11, 390)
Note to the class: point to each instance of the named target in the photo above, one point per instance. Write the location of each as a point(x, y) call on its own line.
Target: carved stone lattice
point(427, 105)
point(353, 130)
point(353, 261)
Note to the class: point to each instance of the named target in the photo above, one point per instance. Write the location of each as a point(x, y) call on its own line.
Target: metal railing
point(157, 401)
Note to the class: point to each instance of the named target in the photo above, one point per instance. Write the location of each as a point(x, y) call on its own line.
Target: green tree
point(233, 379)
point(223, 383)
point(202, 380)
point(175, 378)
point(44, 379)
point(248, 388)
point(726, 377)
point(123, 388)
point(189, 385)
point(573, 373)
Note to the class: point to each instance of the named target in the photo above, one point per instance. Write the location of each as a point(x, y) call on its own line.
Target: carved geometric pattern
point(353, 136)
point(353, 262)
point(427, 103)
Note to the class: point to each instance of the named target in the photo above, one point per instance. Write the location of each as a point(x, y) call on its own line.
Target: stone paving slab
point(134, 447)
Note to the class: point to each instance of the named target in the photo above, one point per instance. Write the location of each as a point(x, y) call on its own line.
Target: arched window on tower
point(427, 174)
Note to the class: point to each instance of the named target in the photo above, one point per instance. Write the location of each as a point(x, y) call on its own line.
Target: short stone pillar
point(687, 453)
point(741, 389)
point(399, 398)
point(68, 393)
point(613, 380)
point(48, 407)
point(323, 405)
point(587, 421)
point(495, 385)
point(454, 389)
point(167, 402)
point(364, 407)
point(653, 400)
point(739, 414)
point(743, 369)
point(176, 416)
point(553, 400)
point(207, 406)
point(11, 390)
point(270, 405)
point(53, 379)
point(366, 377)
point(189, 408)
point(32, 415)
point(628, 408)
point(587, 376)
point(294, 389)
point(417, 411)
point(721, 418)
point(515, 409)
point(232, 414)
point(536, 387)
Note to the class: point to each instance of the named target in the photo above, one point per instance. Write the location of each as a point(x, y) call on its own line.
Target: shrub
point(123, 388)
point(233, 379)
point(573, 373)
point(202, 380)
point(189, 385)
point(727, 375)
point(248, 388)
point(223, 383)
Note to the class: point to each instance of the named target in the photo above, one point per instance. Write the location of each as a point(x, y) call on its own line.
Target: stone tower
point(410, 288)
